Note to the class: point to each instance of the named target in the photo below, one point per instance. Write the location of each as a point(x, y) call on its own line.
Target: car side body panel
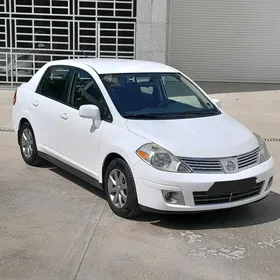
point(116, 139)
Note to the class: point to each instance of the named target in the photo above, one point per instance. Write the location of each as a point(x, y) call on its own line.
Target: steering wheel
point(165, 102)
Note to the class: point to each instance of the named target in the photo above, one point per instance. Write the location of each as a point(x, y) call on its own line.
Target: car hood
point(215, 136)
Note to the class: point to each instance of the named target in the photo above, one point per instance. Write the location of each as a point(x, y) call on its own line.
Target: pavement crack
point(93, 232)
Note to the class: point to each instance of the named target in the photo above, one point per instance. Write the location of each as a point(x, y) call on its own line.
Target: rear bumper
point(151, 183)
point(15, 121)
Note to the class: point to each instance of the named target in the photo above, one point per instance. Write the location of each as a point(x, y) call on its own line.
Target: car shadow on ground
point(77, 181)
point(262, 212)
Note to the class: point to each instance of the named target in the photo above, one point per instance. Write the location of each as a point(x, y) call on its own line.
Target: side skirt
point(71, 170)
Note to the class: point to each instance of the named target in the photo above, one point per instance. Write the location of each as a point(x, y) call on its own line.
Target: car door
point(78, 139)
point(45, 106)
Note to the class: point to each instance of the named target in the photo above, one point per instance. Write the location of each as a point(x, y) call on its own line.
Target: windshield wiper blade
point(171, 115)
point(205, 112)
point(141, 116)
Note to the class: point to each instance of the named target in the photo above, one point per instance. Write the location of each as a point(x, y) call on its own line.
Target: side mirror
point(217, 102)
point(89, 112)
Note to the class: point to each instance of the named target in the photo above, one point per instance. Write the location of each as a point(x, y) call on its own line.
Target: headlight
point(264, 153)
point(161, 159)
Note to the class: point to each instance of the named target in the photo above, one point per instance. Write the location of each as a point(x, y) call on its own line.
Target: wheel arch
point(108, 159)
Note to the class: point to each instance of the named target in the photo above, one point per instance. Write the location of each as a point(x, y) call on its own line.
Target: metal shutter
point(33, 33)
point(229, 41)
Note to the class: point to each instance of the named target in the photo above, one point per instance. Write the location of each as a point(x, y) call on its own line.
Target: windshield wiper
point(204, 112)
point(171, 115)
point(141, 116)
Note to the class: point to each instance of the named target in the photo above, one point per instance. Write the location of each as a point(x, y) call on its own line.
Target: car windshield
point(157, 95)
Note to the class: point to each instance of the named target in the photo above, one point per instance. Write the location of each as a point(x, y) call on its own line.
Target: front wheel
point(120, 189)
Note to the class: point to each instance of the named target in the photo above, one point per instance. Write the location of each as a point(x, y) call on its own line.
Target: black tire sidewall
point(131, 206)
point(33, 160)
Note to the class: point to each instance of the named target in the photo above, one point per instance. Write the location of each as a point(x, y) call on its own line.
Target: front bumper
point(151, 183)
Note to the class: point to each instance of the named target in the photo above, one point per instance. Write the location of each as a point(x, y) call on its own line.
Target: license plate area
point(237, 186)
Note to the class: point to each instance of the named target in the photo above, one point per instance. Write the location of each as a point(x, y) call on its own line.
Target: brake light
point(15, 98)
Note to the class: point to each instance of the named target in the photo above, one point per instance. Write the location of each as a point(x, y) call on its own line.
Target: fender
point(125, 144)
point(26, 117)
point(122, 153)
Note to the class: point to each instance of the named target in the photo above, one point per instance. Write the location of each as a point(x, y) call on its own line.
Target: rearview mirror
point(217, 102)
point(89, 112)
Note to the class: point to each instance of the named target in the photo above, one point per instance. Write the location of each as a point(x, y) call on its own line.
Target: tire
point(28, 147)
point(119, 170)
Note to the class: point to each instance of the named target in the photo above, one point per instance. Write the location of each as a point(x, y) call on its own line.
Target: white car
point(142, 131)
point(21, 64)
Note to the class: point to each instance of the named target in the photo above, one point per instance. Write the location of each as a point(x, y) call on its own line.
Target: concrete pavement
point(46, 218)
point(6, 103)
point(55, 226)
point(259, 111)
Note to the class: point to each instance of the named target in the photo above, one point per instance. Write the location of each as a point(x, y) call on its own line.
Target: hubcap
point(27, 143)
point(117, 188)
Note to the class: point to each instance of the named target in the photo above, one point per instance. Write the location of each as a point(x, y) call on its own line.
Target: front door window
point(86, 91)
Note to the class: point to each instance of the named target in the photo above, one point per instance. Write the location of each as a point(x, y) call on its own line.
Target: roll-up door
point(229, 41)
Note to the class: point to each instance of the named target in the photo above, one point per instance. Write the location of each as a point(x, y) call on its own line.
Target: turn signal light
point(15, 98)
point(143, 154)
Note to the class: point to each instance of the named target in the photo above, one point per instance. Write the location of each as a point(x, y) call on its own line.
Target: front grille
point(204, 165)
point(214, 165)
point(202, 198)
point(249, 159)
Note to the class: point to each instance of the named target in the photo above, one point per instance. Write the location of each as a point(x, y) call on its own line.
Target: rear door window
point(55, 83)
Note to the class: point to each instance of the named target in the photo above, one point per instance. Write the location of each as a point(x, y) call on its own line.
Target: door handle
point(35, 103)
point(64, 116)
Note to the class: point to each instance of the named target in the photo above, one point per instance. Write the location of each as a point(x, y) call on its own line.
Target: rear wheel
point(28, 146)
point(120, 189)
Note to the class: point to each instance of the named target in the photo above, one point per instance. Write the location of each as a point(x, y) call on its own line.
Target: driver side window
point(85, 91)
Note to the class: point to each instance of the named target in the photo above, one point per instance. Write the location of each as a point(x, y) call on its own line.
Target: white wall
point(151, 30)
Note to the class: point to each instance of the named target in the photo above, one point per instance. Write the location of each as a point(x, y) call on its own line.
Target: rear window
point(54, 83)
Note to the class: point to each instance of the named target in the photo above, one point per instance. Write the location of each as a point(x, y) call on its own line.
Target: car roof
point(117, 66)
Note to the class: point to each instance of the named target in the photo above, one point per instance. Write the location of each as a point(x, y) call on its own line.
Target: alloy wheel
point(27, 143)
point(117, 188)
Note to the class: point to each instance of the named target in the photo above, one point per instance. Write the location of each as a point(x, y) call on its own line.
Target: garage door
point(230, 41)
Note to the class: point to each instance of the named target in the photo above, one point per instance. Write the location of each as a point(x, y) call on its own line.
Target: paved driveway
point(54, 226)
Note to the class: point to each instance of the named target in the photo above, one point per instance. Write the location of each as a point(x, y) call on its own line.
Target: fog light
point(168, 196)
point(173, 197)
point(269, 184)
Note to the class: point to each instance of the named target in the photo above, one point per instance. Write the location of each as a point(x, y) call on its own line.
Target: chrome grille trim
point(203, 165)
point(214, 165)
point(249, 159)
